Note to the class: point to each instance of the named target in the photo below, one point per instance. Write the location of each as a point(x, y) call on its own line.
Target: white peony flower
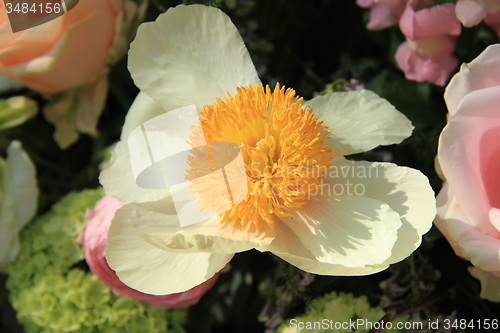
point(195, 55)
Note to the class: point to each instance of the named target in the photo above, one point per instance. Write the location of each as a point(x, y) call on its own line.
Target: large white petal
point(151, 270)
point(158, 224)
point(190, 55)
point(143, 109)
point(349, 231)
point(360, 121)
point(468, 148)
point(119, 182)
point(289, 247)
point(118, 178)
point(407, 191)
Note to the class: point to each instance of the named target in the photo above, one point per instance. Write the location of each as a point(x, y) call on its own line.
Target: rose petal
point(444, 203)
point(465, 146)
point(68, 64)
point(288, 246)
point(483, 72)
point(119, 182)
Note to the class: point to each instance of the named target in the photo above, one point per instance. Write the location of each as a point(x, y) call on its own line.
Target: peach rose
point(383, 13)
point(430, 31)
point(94, 238)
point(469, 156)
point(67, 58)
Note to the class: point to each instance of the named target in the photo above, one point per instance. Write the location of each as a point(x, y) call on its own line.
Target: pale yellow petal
point(119, 182)
point(190, 55)
point(348, 231)
point(360, 121)
point(407, 191)
point(289, 247)
point(159, 225)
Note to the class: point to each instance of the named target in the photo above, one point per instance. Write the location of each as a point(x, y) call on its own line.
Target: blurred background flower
point(93, 238)
point(383, 13)
point(427, 54)
point(471, 12)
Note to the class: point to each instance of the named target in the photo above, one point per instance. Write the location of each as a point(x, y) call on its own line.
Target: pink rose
point(94, 238)
point(472, 12)
point(383, 13)
point(469, 156)
point(427, 55)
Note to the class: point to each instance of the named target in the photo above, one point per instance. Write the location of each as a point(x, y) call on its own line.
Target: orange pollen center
point(283, 149)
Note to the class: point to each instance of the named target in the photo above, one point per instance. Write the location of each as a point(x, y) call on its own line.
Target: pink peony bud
point(94, 237)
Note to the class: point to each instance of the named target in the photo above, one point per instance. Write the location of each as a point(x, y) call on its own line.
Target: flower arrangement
point(250, 166)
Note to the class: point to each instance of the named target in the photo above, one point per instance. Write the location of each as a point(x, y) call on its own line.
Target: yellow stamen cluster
point(283, 149)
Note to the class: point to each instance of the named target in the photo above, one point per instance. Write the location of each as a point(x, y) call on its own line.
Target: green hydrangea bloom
point(51, 294)
point(337, 308)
